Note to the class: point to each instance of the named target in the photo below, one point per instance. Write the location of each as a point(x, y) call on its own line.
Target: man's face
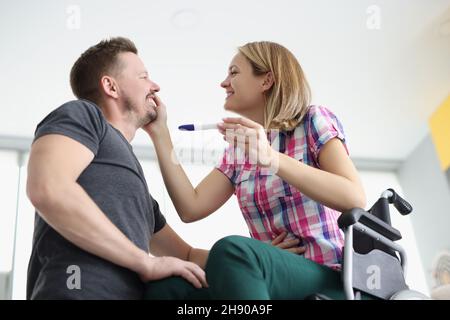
point(136, 90)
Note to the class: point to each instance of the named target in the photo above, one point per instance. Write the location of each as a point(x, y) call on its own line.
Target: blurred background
point(383, 67)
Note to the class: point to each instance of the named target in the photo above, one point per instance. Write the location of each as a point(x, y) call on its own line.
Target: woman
point(295, 178)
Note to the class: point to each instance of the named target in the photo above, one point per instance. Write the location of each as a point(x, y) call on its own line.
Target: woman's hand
point(159, 125)
point(289, 245)
point(251, 138)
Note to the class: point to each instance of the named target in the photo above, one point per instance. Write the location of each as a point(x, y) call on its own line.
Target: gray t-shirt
point(115, 181)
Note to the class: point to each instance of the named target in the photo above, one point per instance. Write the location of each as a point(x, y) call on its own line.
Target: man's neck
point(126, 128)
point(121, 121)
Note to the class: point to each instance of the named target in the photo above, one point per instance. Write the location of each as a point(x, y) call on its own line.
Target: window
point(9, 173)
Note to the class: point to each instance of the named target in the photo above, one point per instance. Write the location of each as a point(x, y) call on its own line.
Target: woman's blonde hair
point(288, 99)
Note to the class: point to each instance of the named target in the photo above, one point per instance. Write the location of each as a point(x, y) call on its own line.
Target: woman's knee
point(231, 248)
point(229, 244)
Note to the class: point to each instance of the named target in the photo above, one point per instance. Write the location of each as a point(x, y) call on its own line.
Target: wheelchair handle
point(403, 206)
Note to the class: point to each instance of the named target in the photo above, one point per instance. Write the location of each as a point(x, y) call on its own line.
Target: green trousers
point(241, 268)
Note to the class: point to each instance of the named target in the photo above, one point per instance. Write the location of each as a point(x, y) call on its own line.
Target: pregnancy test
point(195, 127)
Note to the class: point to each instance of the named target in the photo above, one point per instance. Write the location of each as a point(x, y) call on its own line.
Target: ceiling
point(382, 66)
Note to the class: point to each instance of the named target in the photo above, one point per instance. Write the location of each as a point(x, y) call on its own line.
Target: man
point(96, 221)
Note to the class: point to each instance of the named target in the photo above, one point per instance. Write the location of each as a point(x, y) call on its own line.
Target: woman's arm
point(191, 203)
point(167, 242)
point(336, 184)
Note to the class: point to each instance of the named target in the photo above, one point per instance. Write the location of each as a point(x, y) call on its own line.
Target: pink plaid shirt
point(270, 205)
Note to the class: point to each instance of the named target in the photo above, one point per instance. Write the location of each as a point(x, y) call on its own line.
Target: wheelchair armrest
point(369, 220)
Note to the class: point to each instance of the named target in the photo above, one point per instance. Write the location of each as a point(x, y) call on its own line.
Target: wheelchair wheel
point(409, 295)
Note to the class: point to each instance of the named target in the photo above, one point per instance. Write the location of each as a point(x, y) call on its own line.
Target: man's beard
point(133, 111)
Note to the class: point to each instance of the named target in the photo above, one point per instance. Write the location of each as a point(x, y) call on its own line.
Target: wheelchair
point(372, 262)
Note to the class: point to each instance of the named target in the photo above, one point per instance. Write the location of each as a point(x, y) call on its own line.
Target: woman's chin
point(228, 107)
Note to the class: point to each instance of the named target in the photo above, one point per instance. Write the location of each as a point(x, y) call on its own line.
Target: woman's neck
point(256, 115)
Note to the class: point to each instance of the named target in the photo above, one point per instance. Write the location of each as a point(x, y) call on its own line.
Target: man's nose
point(154, 86)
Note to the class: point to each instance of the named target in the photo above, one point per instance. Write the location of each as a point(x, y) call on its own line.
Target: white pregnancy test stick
point(195, 127)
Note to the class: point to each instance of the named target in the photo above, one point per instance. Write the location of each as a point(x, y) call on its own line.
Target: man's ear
point(267, 81)
point(109, 86)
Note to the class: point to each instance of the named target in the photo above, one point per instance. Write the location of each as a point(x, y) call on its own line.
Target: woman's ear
point(268, 81)
point(109, 86)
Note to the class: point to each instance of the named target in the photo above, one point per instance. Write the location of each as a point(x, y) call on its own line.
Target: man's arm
point(55, 164)
point(166, 242)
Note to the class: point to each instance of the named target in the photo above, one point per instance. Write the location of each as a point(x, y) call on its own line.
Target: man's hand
point(156, 268)
point(289, 245)
point(159, 125)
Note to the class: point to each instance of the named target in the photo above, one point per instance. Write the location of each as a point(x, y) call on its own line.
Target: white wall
point(24, 238)
point(9, 174)
point(8, 190)
point(423, 180)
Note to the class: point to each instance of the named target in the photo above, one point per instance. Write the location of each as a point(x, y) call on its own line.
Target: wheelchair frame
point(374, 224)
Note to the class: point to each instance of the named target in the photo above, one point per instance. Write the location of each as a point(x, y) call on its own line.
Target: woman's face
point(244, 90)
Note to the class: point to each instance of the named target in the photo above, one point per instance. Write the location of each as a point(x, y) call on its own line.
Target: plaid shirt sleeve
point(322, 126)
point(227, 167)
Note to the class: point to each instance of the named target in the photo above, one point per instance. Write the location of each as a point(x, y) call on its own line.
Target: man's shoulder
point(81, 120)
point(81, 110)
point(80, 106)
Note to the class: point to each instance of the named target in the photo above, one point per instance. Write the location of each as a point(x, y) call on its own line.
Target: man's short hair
point(97, 61)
